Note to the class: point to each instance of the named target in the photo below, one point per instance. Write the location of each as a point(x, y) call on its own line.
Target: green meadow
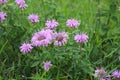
point(99, 20)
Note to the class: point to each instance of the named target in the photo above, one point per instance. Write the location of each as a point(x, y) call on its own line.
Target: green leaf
point(35, 64)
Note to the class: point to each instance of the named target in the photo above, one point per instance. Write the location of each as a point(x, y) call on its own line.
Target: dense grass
point(100, 19)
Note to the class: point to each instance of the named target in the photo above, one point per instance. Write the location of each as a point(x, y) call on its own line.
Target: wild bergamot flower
point(2, 16)
point(81, 38)
point(21, 4)
point(60, 38)
point(42, 38)
point(34, 18)
point(116, 74)
point(3, 1)
point(47, 65)
point(72, 23)
point(51, 24)
point(99, 72)
point(25, 48)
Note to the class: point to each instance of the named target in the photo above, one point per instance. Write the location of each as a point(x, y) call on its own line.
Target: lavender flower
point(25, 48)
point(3, 1)
point(81, 38)
point(42, 38)
point(106, 78)
point(21, 4)
point(47, 65)
point(72, 23)
point(99, 73)
point(60, 38)
point(2, 16)
point(102, 79)
point(33, 18)
point(116, 74)
point(51, 24)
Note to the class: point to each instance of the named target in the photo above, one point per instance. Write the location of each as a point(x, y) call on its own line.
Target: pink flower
point(72, 23)
point(99, 73)
point(116, 74)
point(2, 16)
point(33, 18)
point(25, 48)
point(21, 4)
point(106, 78)
point(18, 2)
point(60, 38)
point(81, 38)
point(3, 1)
point(42, 38)
point(47, 65)
point(102, 79)
point(51, 24)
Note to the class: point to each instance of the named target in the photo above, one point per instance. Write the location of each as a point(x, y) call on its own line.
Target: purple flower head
point(60, 38)
point(2, 16)
point(47, 65)
point(3, 1)
point(42, 38)
point(51, 24)
point(116, 74)
point(81, 38)
point(25, 48)
point(105, 78)
point(18, 2)
point(99, 73)
point(21, 4)
point(33, 18)
point(102, 79)
point(72, 23)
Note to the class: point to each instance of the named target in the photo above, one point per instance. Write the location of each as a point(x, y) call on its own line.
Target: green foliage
point(99, 18)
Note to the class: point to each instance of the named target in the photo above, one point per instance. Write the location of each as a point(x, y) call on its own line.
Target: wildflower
point(116, 74)
point(33, 18)
point(60, 38)
point(47, 65)
point(106, 78)
point(81, 38)
point(42, 38)
point(3, 1)
point(99, 73)
point(21, 4)
point(51, 24)
point(72, 23)
point(25, 48)
point(102, 79)
point(2, 16)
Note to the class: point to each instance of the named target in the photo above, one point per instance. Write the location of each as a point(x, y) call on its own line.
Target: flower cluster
point(100, 74)
point(3, 1)
point(2, 16)
point(21, 4)
point(45, 37)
